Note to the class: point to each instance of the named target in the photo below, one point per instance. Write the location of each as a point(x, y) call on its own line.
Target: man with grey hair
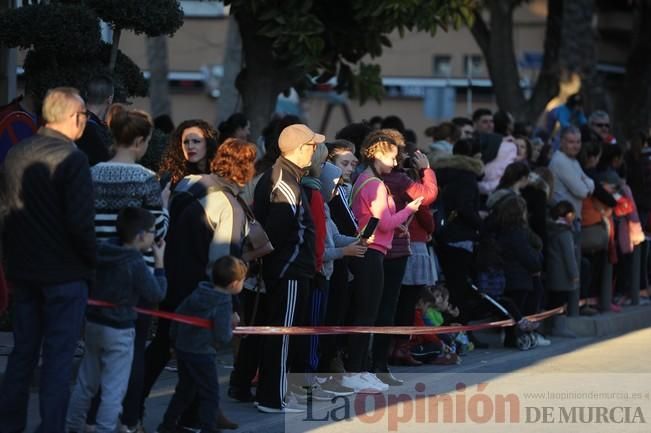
point(599, 122)
point(570, 182)
point(49, 241)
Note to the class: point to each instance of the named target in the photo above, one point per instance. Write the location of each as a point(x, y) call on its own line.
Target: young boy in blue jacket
point(123, 278)
point(196, 348)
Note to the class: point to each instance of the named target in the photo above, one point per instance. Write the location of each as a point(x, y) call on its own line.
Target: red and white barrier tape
point(330, 330)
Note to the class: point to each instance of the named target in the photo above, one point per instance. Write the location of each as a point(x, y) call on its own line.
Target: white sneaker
point(542, 341)
point(373, 380)
point(359, 384)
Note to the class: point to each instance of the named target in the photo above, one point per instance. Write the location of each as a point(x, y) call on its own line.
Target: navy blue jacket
point(123, 278)
point(520, 258)
point(205, 302)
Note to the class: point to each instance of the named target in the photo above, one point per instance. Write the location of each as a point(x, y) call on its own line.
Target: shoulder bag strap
point(356, 190)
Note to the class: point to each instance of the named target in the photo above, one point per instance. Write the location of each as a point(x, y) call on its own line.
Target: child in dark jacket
point(562, 276)
point(123, 278)
point(522, 256)
point(196, 347)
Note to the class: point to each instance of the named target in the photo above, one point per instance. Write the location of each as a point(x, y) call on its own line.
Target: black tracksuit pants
point(286, 304)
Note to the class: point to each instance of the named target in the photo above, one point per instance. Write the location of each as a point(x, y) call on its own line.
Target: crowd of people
point(491, 218)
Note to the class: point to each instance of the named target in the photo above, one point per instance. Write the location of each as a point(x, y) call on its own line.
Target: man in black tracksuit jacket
point(283, 209)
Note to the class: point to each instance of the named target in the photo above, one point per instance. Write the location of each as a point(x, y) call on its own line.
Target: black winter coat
point(458, 198)
point(521, 259)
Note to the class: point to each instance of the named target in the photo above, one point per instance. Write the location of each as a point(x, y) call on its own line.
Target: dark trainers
point(242, 395)
point(172, 366)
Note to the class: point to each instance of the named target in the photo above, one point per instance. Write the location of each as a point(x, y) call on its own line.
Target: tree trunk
point(159, 92)
point(496, 44)
point(503, 66)
point(548, 83)
point(634, 104)
point(229, 97)
point(579, 54)
point(114, 48)
point(262, 78)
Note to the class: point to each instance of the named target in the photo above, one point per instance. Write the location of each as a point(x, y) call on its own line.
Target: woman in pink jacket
point(371, 198)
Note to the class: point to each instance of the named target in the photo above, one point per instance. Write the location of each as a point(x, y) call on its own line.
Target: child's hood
point(556, 228)
point(329, 178)
point(112, 253)
point(205, 298)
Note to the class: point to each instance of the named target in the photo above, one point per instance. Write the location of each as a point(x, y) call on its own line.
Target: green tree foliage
point(327, 38)
point(320, 39)
point(40, 27)
point(64, 43)
point(151, 17)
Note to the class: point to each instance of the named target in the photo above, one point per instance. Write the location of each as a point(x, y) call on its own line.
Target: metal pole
point(636, 272)
point(606, 295)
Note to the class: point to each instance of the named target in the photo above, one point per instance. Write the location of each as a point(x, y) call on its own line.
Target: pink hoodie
point(373, 200)
point(494, 169)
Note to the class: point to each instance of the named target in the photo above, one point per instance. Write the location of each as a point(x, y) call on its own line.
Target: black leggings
point(406, 305)
point(394, 271)
point(457, 267)
point(338, 304)
point(365, 303)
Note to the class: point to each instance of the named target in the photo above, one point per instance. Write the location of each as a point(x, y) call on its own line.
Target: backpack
point(16, 125)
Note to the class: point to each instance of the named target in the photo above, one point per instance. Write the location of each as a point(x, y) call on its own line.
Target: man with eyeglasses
point(282, 207)
point(600, 123)
point(49, 244)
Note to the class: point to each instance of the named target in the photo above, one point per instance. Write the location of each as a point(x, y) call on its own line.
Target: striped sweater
point(118, 185)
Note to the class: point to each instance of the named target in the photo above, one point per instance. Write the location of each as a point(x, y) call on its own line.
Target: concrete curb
point(602, 325)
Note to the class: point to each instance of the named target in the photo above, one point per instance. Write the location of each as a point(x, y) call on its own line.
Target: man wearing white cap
point(283, 210)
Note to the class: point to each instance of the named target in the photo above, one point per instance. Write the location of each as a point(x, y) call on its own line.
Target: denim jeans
point(50, 316)
point(106, 363)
